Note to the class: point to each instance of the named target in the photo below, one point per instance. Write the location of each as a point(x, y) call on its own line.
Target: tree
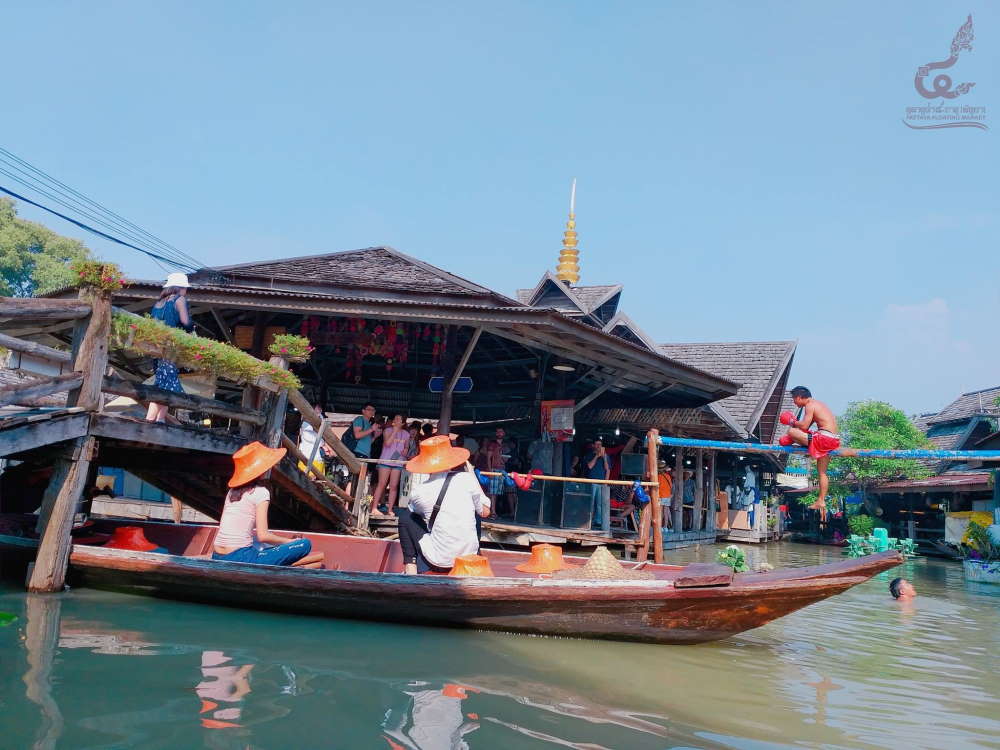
point(33, 258)
point(875, 425)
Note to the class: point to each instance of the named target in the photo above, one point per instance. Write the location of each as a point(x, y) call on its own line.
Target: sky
point(743, 167)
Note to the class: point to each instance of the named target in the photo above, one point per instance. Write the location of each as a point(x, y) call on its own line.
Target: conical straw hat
point(602, 565)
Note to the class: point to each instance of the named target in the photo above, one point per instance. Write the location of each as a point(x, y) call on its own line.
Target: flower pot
point(982, 571)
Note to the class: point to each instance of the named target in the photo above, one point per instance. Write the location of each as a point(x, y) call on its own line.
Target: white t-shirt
point(239, 518)
point(454, 532)
point(307, 439)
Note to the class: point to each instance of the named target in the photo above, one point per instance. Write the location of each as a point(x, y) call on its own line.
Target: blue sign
point(436, 385)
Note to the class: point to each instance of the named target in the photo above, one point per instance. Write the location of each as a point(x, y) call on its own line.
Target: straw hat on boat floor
point(603, 566)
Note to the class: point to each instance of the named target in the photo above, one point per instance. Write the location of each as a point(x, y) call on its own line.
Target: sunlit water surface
point(91, 669)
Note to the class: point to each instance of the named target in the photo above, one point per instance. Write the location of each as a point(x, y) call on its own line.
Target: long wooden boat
point(363, 579)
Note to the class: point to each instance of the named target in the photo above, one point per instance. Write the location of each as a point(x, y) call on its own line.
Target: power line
point(97, 232)
point(94, 211)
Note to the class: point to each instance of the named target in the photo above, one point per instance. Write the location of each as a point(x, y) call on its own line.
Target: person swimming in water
point(902, 589)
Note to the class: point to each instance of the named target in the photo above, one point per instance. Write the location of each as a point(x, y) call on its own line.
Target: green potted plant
point(981, 556)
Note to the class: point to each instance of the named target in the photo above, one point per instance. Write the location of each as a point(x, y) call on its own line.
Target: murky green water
point(90, 669)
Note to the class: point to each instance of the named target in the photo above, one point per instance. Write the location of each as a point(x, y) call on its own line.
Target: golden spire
point(568, 268)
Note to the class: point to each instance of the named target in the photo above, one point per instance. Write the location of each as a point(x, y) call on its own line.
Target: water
point(92, 669)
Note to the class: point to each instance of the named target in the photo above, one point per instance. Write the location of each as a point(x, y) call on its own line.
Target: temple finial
point(568, 268)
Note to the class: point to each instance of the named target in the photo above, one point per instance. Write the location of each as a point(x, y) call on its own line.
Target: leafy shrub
point(97, 275)
point(861, 524)
point(734, 557)
point(291, 347)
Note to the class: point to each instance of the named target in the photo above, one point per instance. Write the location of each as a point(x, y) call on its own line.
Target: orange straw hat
point(130, 537)
point(252, 460)
point(471, 565)
point(545, 558)
point(437, 454)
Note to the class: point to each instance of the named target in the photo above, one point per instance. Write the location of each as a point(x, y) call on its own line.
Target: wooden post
point(453, 374)
point(49, 573)
point(699, 490)
point(361, 510)
point(278, 405)
point(69, 477)
point(677, 501)
point(90, 351)
point(713, 504)
point(652, 442)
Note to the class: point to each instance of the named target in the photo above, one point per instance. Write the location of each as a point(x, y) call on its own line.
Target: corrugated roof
point(965, 479)
point(757, 365)
point(968, 405)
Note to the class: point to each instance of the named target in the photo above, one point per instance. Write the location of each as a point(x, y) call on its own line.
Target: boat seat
point(700, 575)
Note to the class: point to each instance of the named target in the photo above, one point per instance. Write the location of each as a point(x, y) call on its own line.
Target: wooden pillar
point(361, 510)
point(710, 521)
point(911, 522)
point(452, 373)
point(251, 401)
point(677, 501)
point(652, 445)
point(699, 491)
point(69, 477)
point(68, 481)
point(278, 406)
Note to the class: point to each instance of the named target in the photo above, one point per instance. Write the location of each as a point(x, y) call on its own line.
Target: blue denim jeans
point(283, 554)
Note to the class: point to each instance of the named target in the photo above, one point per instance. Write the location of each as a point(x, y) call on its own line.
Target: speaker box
point(577, 506)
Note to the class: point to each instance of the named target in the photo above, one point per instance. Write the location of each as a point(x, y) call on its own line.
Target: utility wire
point(87, 214)
point(123, 225)
point(98, 232)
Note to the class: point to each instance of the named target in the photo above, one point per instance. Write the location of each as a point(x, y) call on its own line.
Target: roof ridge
point(719, 343)
point(311, 256)
point(981, 390)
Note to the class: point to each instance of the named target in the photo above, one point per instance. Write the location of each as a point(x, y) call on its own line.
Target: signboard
point(557, 419)
point(437, 384)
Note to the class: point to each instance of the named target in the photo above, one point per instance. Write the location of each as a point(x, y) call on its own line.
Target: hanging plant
point(94, 274)
point(291, 347)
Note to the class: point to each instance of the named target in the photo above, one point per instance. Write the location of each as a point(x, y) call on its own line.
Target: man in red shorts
point(815, 428)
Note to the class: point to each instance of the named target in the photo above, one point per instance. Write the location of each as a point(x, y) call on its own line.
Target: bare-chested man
point(819, 441)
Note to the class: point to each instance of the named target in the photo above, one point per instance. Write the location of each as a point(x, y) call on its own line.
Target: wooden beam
point(29, 435)
point(277, 410)
point(677, 500)
point(35, 349)
point(42, 308)
point(596, 392)
point(711, 521)
point(226, 333)
point(294, 452)
point(448, 394)
point(49, 573)
point(654, 494)
point(699, 490)
point(90, 352)
point(31, 389)
point(293, 481)
point(300, 402)
point(163, 434)
point(147, 393)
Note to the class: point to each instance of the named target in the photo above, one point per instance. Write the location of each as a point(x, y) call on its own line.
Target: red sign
point(557, 419)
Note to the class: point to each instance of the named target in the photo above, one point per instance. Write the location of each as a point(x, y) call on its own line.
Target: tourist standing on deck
point(308, 437)
point(395, 445)
point(364, 428)
point(170, 309)
point(440, 523)
point(244, 514)
point(597, 465)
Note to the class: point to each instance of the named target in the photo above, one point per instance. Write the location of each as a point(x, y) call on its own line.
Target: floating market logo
point(947, 108)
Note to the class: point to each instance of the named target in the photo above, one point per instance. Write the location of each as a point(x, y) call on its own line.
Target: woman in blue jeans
point(244, 516)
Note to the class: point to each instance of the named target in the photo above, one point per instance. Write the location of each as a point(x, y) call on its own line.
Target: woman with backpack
point(170, 309)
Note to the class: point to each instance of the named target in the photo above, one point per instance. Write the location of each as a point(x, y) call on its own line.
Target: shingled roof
point(762, 368)
point(968, 405)
point(372, 268)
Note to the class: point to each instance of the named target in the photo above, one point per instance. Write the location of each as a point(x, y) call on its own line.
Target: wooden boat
point(363, 580)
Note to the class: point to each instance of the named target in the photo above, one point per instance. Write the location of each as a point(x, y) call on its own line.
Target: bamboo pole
point(34, 349)
point(711, 521)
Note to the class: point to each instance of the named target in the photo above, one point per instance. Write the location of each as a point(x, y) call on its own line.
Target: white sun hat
point(177, 279)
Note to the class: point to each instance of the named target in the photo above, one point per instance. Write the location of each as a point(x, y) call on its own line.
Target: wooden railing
point(83, 374)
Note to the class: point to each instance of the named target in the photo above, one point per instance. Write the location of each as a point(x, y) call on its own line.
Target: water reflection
point(104, 670)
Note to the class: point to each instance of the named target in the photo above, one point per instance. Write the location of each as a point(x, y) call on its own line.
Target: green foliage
point(978, 544)
point(879, 426)
point(97, 275)
point(734, 557)
point(7, 618)
point(861, 524)
point(148, 336)
point(291, 347)
point(33, 258)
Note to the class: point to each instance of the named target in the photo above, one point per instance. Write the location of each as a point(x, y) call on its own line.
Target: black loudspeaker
point(530, 506)
point(552, 498)
point(577, 506)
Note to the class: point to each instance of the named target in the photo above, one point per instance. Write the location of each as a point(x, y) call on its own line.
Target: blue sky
point(743, 167)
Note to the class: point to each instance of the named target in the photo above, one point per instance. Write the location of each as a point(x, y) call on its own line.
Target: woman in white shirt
point(440, 523)
point(244, 514)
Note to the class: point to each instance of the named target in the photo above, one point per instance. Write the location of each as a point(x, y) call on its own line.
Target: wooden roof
point(969, 405)
point(761, 367)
